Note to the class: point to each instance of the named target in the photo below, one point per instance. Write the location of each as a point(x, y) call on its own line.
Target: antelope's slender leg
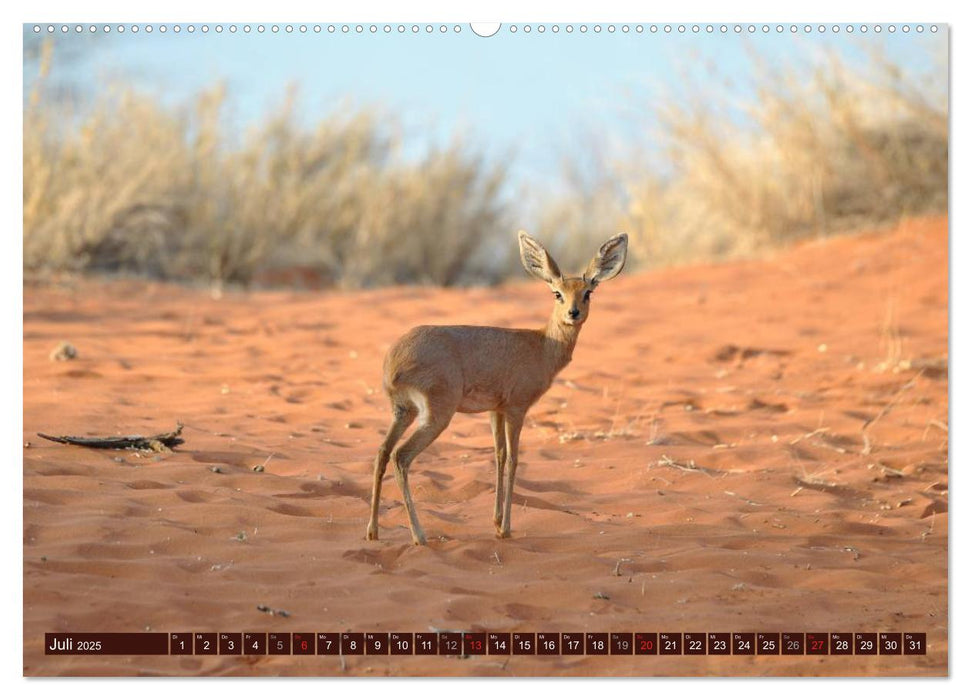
point(404, 414)
point(402, 458)
point(514, 425)
point(499, 438)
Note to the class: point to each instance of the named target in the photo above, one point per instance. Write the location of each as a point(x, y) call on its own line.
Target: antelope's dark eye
point(559, 297)
point(586, 296)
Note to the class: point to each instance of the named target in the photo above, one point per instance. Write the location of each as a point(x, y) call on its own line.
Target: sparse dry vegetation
point(138, 188)
point(847, 149)
point(133, 186)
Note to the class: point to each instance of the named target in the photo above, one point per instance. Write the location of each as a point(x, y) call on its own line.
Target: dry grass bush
point(591, 211)
point(844, 150)
point(137, 188)
point(134, 187)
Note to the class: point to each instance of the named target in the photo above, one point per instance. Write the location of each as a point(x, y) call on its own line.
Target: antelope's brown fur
point(432, 372)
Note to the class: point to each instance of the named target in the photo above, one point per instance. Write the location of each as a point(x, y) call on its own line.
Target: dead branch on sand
point(162, 442)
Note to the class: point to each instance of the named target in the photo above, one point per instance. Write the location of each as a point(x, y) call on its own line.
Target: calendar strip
point(466, 644)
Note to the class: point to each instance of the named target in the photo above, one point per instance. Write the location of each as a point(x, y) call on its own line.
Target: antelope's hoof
point(502, 534)
point(372, 533)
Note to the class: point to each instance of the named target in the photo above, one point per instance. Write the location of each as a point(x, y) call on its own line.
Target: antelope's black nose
point(574, 313)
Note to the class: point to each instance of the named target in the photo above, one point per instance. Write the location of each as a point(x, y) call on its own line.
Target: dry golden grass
point(849, 148)
point(132, 186)
point(135, 187)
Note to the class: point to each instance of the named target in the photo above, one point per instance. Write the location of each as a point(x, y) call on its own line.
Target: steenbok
point(434, 371)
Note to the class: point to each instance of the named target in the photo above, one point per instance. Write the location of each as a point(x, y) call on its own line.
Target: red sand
point(710, 435)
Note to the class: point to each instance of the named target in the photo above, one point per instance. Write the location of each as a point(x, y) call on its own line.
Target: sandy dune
point(757, 446)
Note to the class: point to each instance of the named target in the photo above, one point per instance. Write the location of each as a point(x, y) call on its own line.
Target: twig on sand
point(689, 466)
point(937, 424)
point(815, 432)
point(867, 445)
point(813, 481)
point(930, 530)
point(156, 443)
point(624, 560)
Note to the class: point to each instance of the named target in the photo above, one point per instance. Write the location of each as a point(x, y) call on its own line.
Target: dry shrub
point(135, 187)
point(844, 150)
point(591, 211)
point(427, 222)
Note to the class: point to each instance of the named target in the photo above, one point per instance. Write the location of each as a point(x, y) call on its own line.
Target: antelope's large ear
point(609, 260)
point(536, 260)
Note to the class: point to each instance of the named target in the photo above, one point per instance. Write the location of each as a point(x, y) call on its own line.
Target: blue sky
point(538, 96)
